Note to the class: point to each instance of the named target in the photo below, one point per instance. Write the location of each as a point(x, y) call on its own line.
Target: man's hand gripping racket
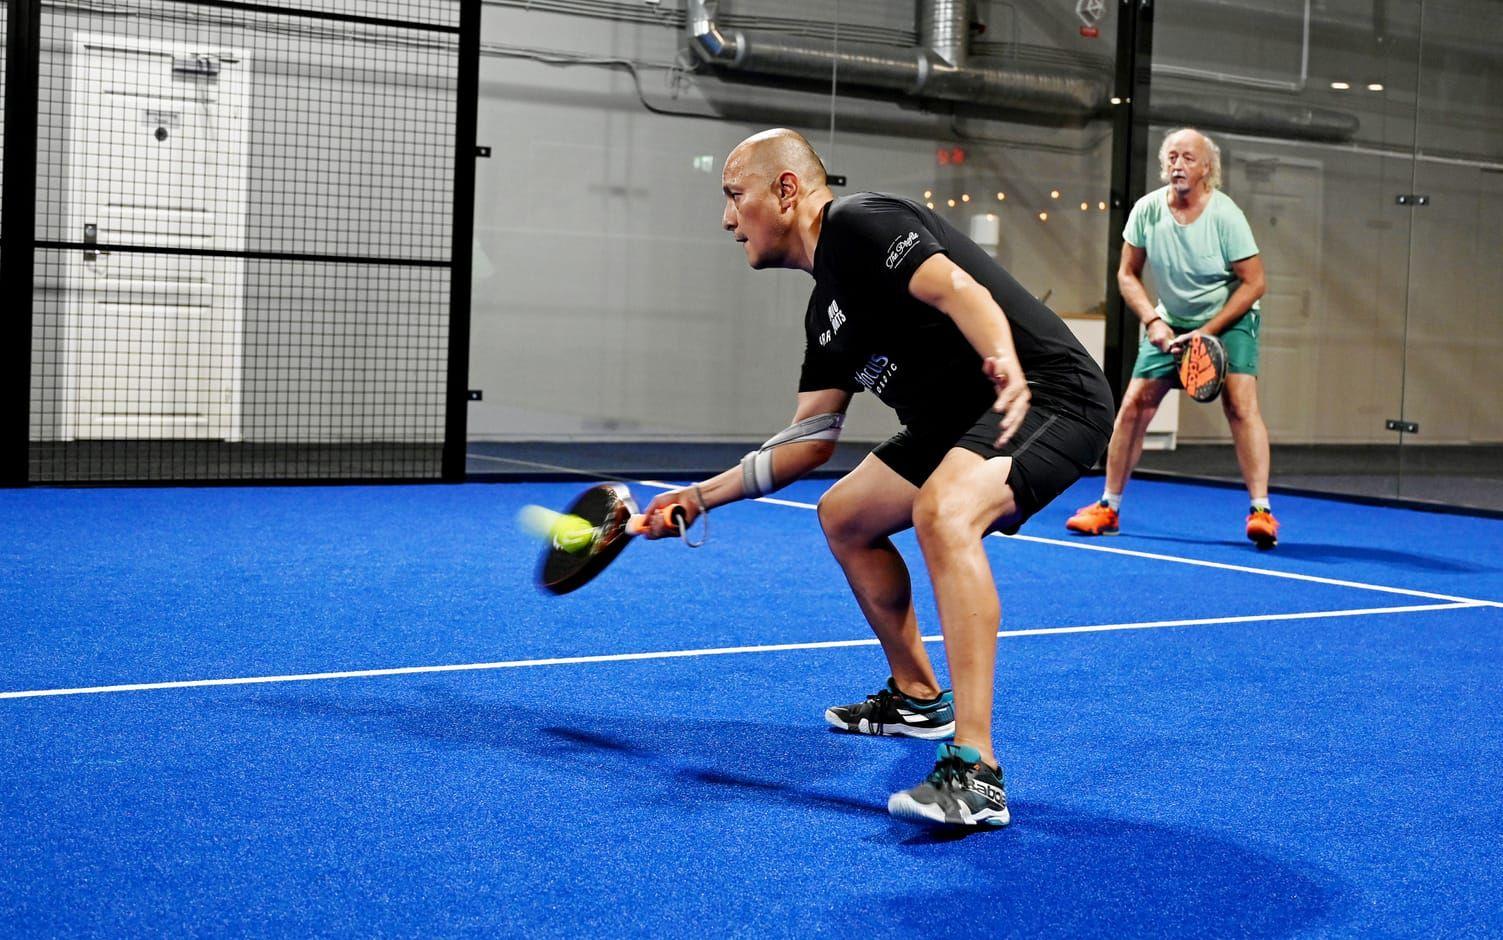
point(583, 540)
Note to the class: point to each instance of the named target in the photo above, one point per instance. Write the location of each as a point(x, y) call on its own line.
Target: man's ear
point(788, 187)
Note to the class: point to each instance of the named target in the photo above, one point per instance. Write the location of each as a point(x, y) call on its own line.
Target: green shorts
point(1240, 340)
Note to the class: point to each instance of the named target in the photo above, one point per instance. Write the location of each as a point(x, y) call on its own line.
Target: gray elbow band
point(756, 466)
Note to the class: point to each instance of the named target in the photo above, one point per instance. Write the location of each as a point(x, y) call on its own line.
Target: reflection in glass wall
point(1365, 144)
point(611, 312)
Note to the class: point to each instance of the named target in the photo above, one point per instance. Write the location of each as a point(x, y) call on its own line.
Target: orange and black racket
point(1202, 367)
point(587, 537)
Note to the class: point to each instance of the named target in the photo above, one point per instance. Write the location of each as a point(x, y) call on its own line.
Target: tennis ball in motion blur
point(570, 533)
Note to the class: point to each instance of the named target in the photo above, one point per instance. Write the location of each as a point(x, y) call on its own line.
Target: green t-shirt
point(1192, 264)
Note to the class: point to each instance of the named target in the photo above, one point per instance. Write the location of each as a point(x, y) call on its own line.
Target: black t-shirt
point(864, 330)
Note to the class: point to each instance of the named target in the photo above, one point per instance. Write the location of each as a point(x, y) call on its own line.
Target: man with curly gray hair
point(1209, 278)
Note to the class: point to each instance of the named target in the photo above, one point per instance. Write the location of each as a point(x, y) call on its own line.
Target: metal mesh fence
point(243, 240)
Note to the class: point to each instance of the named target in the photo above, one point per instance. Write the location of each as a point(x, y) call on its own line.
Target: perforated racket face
point(607, 507)
point(1202, 367)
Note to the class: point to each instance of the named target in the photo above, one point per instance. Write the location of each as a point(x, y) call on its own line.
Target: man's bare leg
point(859, 515)
point(1139, 404)
point(1239, 400)
point(954, 509)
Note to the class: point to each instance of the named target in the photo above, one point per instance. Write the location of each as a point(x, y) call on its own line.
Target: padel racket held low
point(585, 538)
point(1202, 367)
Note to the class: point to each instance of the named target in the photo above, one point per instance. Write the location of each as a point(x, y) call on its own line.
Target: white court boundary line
point(1178, 559)
point(718, 651)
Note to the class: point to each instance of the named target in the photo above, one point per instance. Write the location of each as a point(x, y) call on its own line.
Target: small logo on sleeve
point(899, 249)
point(836, 319)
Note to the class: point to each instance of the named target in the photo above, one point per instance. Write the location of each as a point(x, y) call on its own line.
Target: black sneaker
point(959, 791)
point(892, 712)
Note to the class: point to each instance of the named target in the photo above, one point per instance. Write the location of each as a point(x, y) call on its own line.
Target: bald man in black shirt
point(1001, 407)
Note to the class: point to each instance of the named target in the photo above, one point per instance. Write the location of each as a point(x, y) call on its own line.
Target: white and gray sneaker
point(961, 790)
point(892, 712)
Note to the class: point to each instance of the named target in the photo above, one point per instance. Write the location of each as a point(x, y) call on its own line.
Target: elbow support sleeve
point(756, 466)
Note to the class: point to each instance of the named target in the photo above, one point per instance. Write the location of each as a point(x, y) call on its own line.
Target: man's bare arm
point(789, 462)
point(1135, 295)
point(944, 285)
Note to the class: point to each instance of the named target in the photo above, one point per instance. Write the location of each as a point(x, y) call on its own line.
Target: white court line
point(1270, 572)
point(1177, 559)
point(720, 651)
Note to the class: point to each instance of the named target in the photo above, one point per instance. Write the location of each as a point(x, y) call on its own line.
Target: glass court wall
point(1377, 211)
point(614, 317)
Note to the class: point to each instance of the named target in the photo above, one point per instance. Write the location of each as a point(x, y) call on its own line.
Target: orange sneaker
point(1095, 519)
point(1262, 529)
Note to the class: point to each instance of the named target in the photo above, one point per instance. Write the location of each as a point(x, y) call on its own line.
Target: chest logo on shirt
point(836, 319)
point(899, 249)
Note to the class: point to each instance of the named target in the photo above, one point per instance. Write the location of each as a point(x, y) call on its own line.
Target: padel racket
point(1202, 367)
point(569, 563)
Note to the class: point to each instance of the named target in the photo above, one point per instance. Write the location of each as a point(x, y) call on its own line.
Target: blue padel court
point(349, 711)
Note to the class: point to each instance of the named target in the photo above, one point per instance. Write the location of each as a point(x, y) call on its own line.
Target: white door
point(158, 137)
point(1283, 200)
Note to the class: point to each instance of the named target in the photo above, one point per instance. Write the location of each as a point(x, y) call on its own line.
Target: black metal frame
point(1129, 176)
point(456, 417)
point(17, 237)
point(18, 241)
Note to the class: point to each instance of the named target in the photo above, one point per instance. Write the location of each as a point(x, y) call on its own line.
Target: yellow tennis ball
point(570, 533)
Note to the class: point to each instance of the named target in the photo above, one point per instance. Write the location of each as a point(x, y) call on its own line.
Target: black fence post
point(456, 424)
point(1129, 174)
point(18, 212)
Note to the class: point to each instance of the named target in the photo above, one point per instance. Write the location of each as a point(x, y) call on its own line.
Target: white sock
point(1114, 500)
point(1262, 504)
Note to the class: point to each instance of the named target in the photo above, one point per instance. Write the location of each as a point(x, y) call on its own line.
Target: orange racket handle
point(639, 523)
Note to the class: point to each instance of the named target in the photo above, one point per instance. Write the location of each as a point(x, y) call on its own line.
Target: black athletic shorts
point(1052, 449)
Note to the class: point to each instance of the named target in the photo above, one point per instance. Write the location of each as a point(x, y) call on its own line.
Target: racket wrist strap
point(704, 521)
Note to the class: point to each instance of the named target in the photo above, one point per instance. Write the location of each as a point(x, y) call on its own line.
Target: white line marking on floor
point(1177, 559)
point(721, 651)
point(1269, 572)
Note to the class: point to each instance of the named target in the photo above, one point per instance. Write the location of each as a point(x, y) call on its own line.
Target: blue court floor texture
point(348, 711)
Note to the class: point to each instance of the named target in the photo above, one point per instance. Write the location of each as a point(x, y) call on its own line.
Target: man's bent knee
point(946, 516)
point(835, 517)
point(843, 521)
point(1240, 402)
point(1141, 401)
point(1134, 410)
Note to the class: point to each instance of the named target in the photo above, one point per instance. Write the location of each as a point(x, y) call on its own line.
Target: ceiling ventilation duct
point(939, 69)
